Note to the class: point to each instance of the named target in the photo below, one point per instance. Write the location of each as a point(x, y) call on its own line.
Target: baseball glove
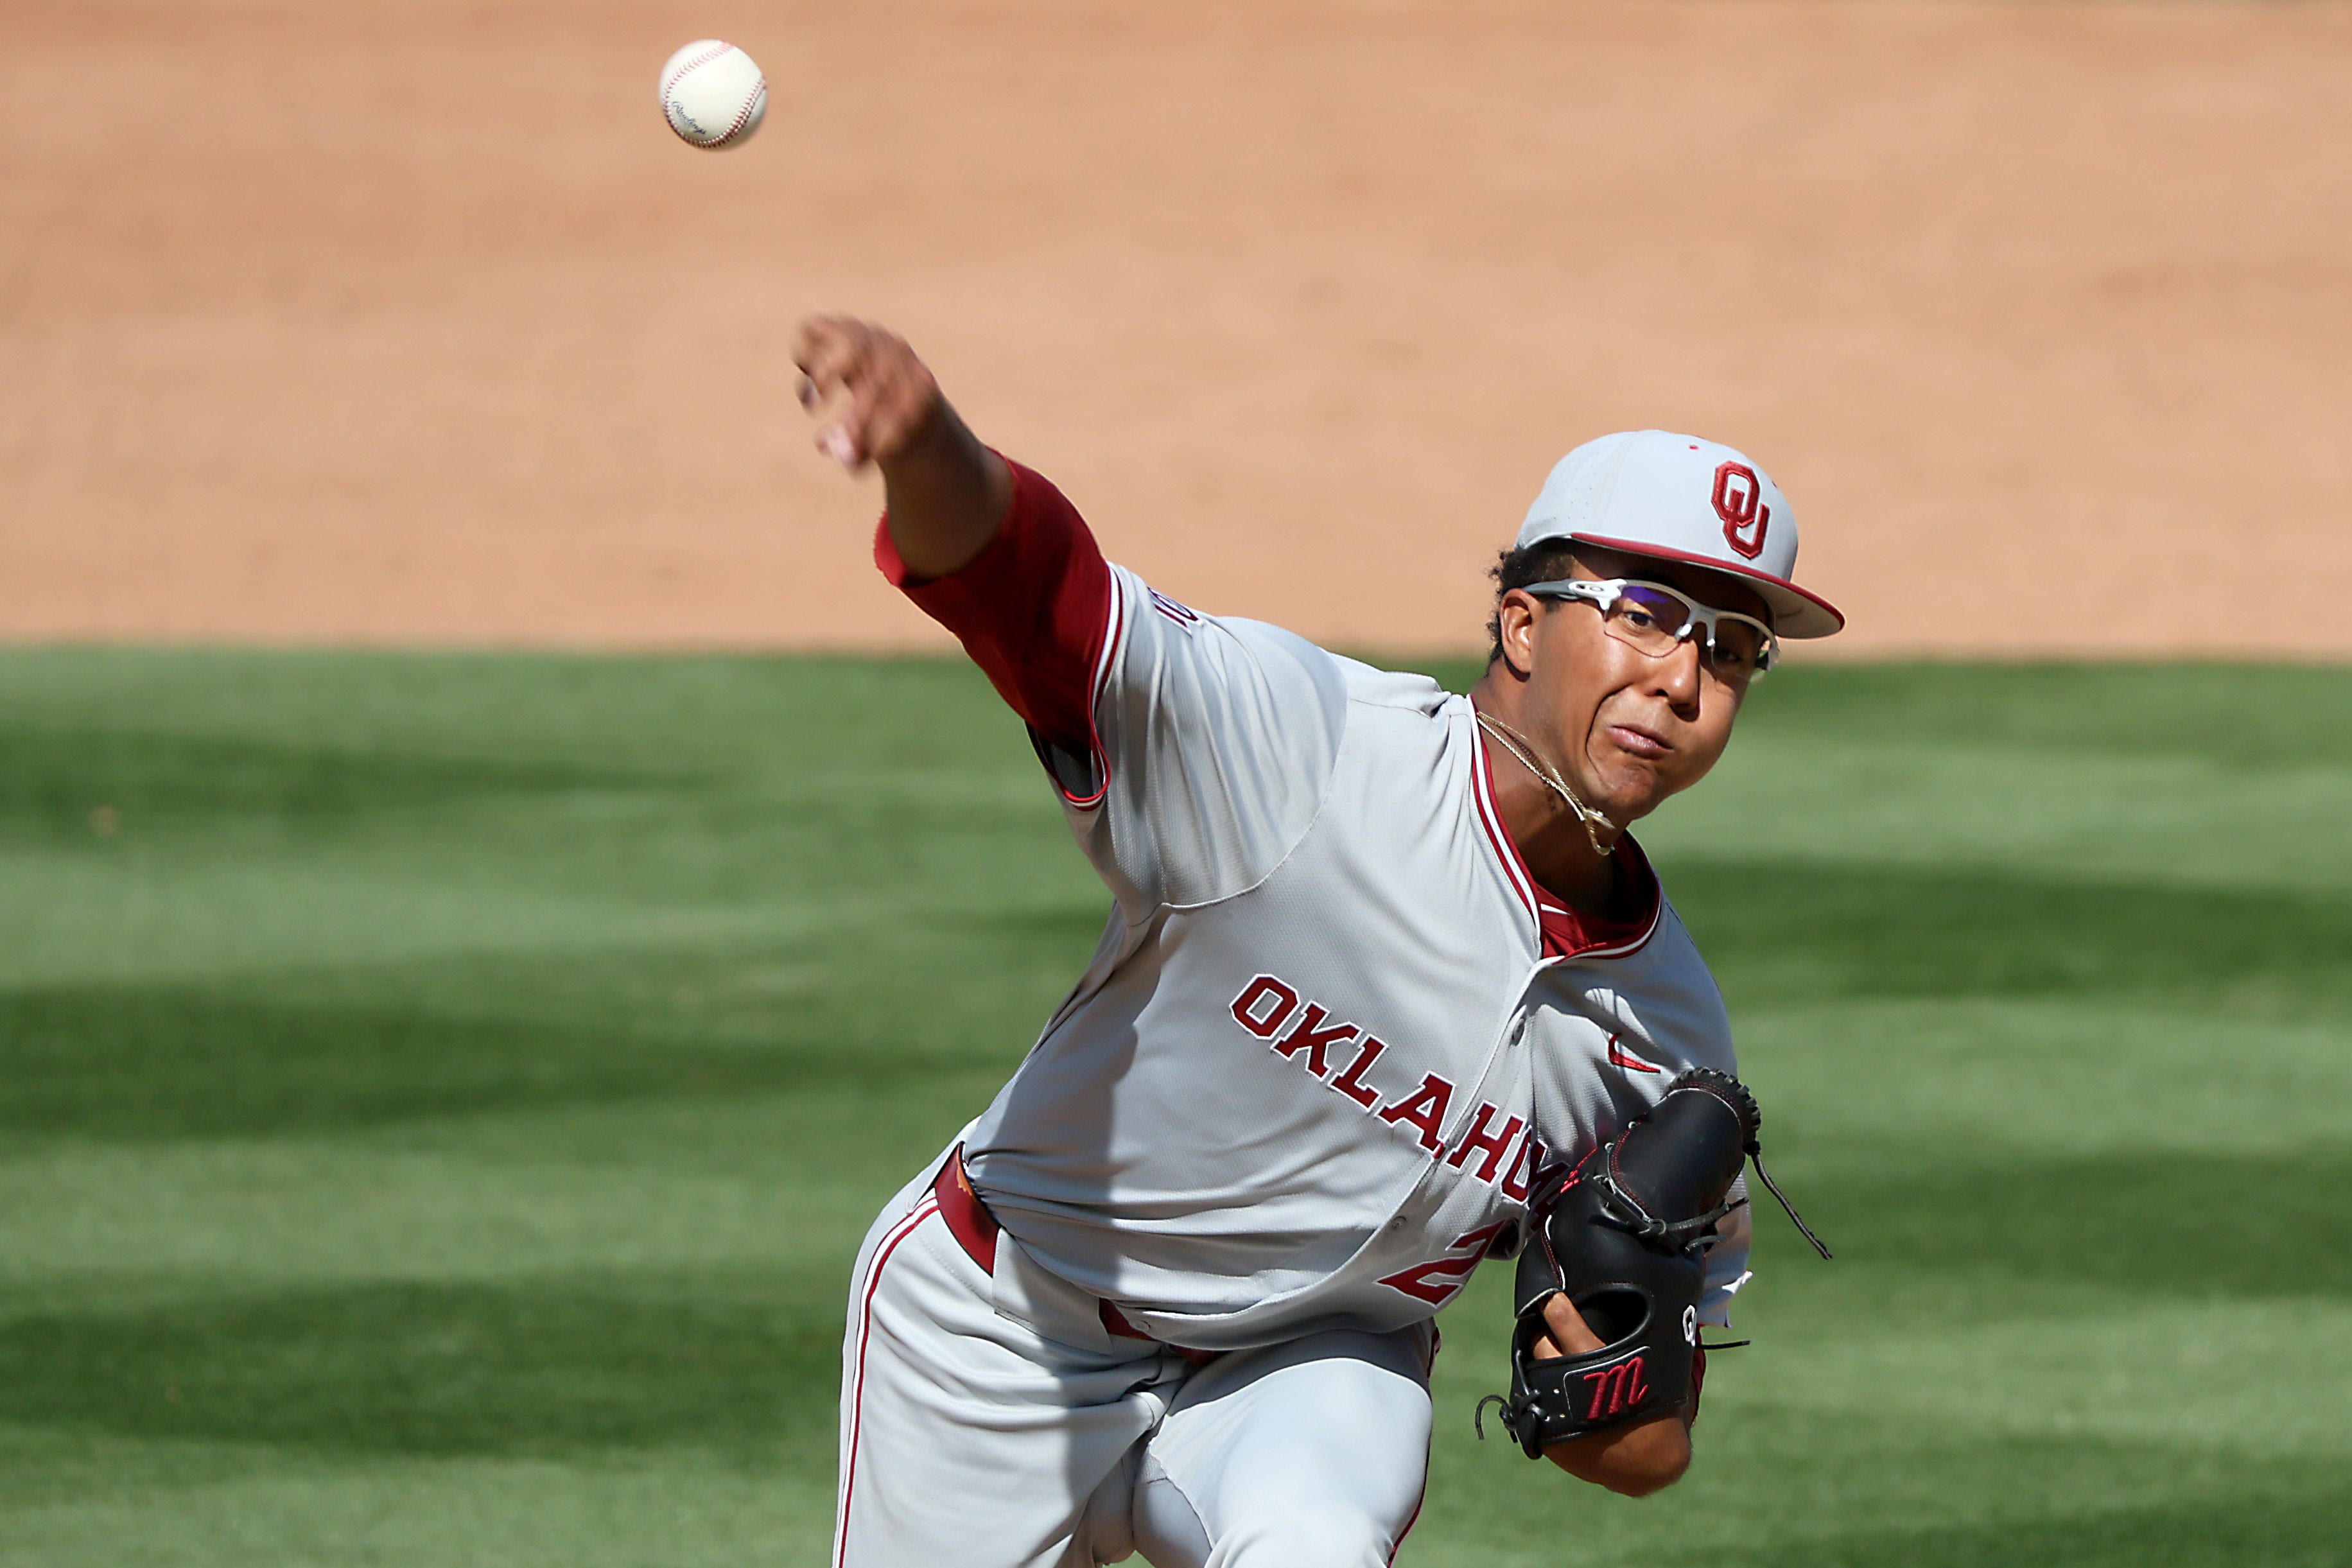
point(1625, 1235)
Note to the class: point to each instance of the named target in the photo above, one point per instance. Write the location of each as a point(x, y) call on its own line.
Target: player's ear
point(1516, 619)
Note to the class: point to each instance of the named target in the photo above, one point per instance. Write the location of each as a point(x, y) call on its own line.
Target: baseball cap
point(1678, 498)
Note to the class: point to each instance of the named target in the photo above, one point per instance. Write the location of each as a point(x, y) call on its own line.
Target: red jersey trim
point(1498, 837)
point(1562, 933)
point(1115, 622)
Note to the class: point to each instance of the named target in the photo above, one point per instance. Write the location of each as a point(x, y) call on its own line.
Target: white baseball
point(712, 95)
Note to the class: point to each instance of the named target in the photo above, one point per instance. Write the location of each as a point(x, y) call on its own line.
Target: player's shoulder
point(1671, 946)
point(1673, 970)
point(1369, 686)
point(1148, 618)
point(1162, 629)
point(1272, 704)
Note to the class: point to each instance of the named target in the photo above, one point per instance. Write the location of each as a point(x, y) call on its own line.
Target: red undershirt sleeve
point(1032, 608)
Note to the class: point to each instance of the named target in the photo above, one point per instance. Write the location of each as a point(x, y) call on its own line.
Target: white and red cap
point(1678, 498)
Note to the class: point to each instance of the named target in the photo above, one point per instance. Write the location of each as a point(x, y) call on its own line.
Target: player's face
point(1629, 728)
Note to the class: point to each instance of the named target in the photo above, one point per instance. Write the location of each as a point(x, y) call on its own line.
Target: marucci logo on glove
point(1615, 1390)
point(1625, 1236)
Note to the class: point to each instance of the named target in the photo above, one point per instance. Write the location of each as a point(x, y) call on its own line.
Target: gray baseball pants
point(993, 1421)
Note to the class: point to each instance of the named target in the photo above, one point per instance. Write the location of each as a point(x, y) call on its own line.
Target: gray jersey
point(1320, 1052)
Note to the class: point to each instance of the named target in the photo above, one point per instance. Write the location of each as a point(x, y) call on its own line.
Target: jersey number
point(1436, 1280)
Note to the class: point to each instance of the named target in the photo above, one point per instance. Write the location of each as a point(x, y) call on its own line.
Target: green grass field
point(439, 1097)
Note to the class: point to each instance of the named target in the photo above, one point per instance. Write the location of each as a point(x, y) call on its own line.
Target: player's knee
point(1309, 1541)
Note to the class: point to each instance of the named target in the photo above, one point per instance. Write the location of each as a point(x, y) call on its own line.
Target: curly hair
point(1540, 562)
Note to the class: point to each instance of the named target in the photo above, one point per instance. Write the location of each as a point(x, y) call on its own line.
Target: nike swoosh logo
point(1618, 1057)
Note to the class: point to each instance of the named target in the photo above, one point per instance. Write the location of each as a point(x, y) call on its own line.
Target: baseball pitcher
point(1387, 988)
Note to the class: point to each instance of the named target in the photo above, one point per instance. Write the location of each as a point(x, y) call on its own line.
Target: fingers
point(1569, 1334)
point(884, 397)
point(829, 350)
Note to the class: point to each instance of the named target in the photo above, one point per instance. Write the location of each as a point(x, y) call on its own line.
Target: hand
point(1634, 1460)
point(1570, 1335)
point(873, 401)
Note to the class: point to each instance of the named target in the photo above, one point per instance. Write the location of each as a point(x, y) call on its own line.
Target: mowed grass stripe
point(740, 1361)
point(319, 1047)
point(439, 1096)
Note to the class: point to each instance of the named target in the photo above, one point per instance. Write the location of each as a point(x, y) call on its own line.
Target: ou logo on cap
point(1740, 501)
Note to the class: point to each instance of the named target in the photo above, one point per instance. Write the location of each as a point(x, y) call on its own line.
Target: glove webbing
point(1747, 1113)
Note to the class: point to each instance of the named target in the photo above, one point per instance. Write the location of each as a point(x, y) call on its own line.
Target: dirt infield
point(407, 319)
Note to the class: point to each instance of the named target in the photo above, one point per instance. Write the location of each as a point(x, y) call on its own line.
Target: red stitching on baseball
point(695, 63)
point(744, 116)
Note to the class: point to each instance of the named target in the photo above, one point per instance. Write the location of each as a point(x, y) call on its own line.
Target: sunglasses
point(1653, 619)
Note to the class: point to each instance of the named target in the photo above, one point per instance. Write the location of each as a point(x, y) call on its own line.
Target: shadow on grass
point(2179, 1225)
point(55, 777)
point(1803, 930)
point(2304, 1531)
point(316, 1050)
point(744, 1366)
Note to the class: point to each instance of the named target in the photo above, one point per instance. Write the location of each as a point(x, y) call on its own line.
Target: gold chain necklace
point(1520, 747)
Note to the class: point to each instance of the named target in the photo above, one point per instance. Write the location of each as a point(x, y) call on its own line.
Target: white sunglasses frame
point(1604, 593)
